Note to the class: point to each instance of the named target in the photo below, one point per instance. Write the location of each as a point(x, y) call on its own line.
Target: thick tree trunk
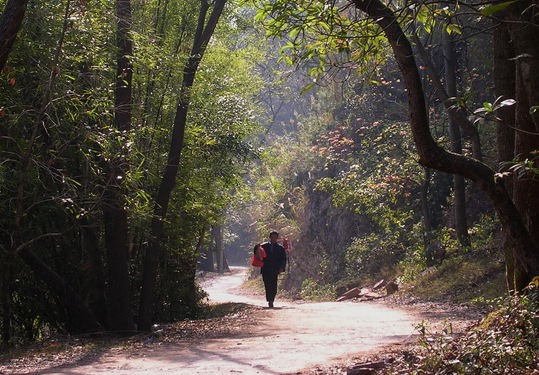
point(525, 188)
point(459, 186)
point(168, 181)
point(433, 156)
point(517, 64)
point(114, 203)
point(504, 73)
point(525, 36)
point(10, 23)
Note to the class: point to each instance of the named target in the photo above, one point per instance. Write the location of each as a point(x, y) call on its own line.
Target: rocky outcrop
point(326, 232)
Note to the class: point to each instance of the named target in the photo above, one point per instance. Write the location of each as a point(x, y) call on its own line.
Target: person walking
point(274, 264)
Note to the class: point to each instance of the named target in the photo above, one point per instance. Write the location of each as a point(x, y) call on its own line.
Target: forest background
point(129, 157)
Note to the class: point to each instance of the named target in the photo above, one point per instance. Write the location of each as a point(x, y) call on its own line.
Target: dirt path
point(287, 339)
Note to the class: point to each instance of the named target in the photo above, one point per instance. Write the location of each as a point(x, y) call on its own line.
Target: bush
point(369, 255)
point(505, 342)
point(312, 290)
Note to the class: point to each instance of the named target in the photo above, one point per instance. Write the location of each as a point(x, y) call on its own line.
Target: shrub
point(312, 290)
point(369, 255)
point(505, 342)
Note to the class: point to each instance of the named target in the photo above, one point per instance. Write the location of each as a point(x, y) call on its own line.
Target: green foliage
point(465, 274)
point(323, 33)
point(506, 342)
point(312, 290)
point(58, 143)
point(370, 255)
point(386, 175)
point(461, 279)
point(491, 9)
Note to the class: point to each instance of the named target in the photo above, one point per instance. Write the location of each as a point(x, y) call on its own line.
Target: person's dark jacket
point(275, 260)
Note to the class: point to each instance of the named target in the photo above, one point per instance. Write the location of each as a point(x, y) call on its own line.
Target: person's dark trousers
point(270, 284)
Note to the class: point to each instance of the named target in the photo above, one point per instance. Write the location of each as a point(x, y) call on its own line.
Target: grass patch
point(461, 279)
point(221, 310)
point(312, 291)
point(505, 342)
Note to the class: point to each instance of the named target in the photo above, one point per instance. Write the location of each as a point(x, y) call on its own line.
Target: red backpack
point(255, 259)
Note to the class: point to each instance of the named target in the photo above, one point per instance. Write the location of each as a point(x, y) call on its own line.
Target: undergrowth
point(506, 342)
point(461, 279)
point(460, 274)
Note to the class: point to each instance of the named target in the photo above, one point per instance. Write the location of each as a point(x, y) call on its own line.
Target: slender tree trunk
point(217, 234)
point(114, 204)
point(158, 32)
point(456, 113)
point(10, 23)
point(192, 270)
point(504, 82)
point(433, 156)
point(218, 243)
point(459, 186)
point(168, 181)
point(427, 220)
point(89, 225)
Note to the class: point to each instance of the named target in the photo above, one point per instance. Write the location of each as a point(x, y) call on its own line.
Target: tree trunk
point(427, 220)
point(504, 84)
point(203, 34)
point(205, 258)
point(217, 234)
point(114, 204)
point(526, 188)
point(519, 64)
point(226, 267)
point(525, 36)
point(433, 156)
point(207, 263)
point(10, 23)
point(459, 186)
point(456, 113)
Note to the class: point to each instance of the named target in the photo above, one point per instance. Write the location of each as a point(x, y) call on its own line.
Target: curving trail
point(285, 340)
